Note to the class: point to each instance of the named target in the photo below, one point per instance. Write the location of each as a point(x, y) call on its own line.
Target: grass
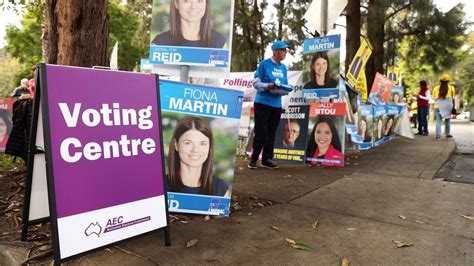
point(6, 161)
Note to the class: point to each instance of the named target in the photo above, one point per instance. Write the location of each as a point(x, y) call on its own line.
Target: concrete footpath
point(384, 195)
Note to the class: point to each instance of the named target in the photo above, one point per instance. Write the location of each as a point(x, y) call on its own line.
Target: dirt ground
point(39, 246)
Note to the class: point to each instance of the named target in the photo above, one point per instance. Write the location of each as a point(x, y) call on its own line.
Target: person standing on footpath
point(23, 89)
point(444, 102)
point(423, 97)
point(267, 105)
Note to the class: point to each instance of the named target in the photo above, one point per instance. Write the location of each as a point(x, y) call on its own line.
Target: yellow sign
point(358, 63)
point(361, 86)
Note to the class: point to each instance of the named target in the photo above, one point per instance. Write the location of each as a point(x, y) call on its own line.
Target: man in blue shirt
point(270, 73)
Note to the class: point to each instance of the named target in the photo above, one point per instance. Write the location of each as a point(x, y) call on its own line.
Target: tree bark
point(281, 14)
point(50, 33)
point(353, 30)
point(376, 36)
point(76, 32)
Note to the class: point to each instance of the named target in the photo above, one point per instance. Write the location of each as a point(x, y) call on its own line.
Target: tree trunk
point(376, 34)
point(76, 33)
point(353, 30)
point(281, 15)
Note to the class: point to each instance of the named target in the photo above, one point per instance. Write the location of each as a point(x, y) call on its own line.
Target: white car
point(463, 115)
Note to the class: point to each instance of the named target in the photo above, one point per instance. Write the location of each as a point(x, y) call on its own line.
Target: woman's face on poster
point(379, 125)
point(191, 10)
point(3, 128)
point(193, 148)
point(396, 98)
point(320, 66)
point(323, 135)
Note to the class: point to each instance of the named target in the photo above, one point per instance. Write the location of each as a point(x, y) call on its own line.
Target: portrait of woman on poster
point(379, 127)
point(389, 125)
point(324, 143)
point(320, 73)
point(396, 98)
point(190, 25)
point(191, 159)
point(363, 131)
point(5, 128)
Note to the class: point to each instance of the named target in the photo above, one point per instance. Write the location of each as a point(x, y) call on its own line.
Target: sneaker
point(449, 136)
point(252, 165)
point(419, 133)
point(269, 164)
point(425, 134)
point(438, 136)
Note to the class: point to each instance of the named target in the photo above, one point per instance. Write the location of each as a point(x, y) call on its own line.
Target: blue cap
point(279, 45)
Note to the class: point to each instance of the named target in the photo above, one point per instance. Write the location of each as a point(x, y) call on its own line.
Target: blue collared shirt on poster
point(268, 71)
point(376, 100)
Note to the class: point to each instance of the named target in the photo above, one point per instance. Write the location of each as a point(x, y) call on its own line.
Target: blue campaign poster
point(379, 116)
point(321, 59)
point(393, 112)
point(200, 132)
point(206, 42)
point(365, 134)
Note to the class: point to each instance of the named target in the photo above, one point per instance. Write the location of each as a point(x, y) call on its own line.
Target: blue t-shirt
point(270, 72)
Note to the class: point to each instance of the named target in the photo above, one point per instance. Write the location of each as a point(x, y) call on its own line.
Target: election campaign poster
point(357, 66)
point(176, 40)
point(6, 123)
point(396, 95)
point(243, 81)
point(350, 97)
point(366, 127)
point(326, 131)
point(380, 90)
point(393, 73)
point(361, 87)
point(290, 140)
point(104, 156)
point(379, 117)
point(321, 62)
point(393, 112)
point(200, 134)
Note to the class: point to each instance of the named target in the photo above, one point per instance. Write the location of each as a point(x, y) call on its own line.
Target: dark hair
point(4, 114)
point(312, 145)
point(390, 117)
point(366, 134)
point(174, 176)
point(423, 83)
point(443, 89)
point(327, 76)
point(393, 96)
point(204, 29)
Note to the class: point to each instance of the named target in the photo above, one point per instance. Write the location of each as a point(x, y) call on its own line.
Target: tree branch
point(397, 11)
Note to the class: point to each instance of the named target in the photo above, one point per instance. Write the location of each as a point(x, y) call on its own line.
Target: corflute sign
point(104, 156)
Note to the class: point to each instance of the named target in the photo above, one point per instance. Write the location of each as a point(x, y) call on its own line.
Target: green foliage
point(123, 24)
point(142, 10)
point(252, 34)
point(25, 43)
point(8, 68)
point(464, 77)
point(430, 43)
point(6, 162)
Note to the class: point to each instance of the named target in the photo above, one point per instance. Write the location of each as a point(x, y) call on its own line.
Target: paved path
point(386, 194)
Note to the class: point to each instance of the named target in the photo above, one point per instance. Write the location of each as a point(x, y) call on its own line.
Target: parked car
point(463, 115)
